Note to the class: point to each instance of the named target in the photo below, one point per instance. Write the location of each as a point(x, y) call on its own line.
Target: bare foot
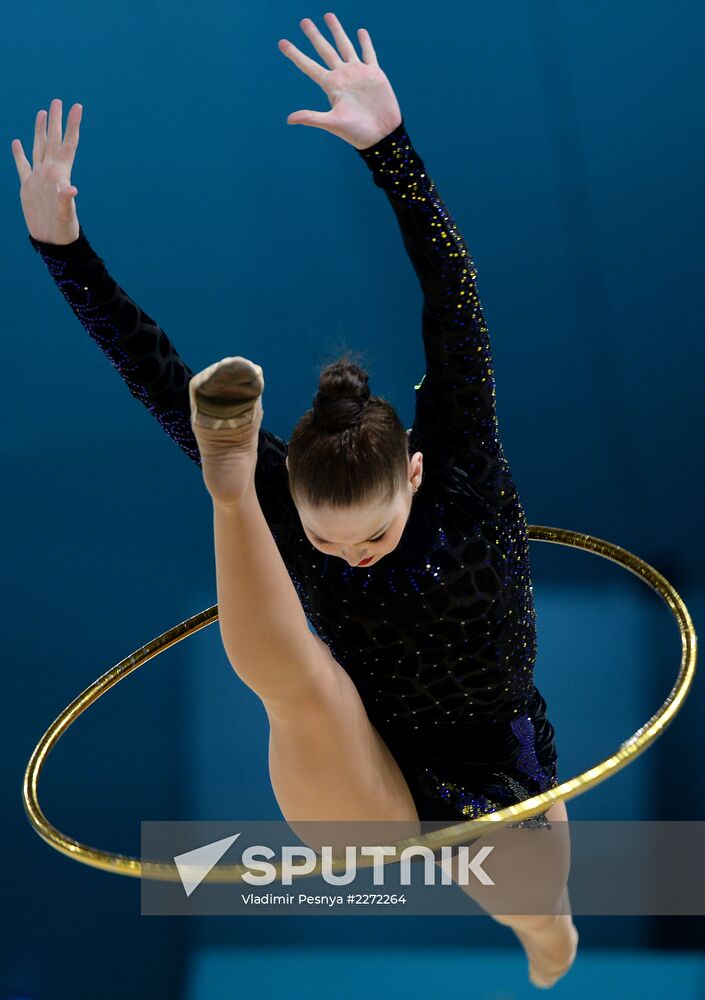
point(550, 952)
point(226, 414)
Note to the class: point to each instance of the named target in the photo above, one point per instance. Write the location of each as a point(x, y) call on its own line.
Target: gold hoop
point(457, 833)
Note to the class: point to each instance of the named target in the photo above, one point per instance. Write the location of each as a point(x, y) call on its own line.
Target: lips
point(364, 562)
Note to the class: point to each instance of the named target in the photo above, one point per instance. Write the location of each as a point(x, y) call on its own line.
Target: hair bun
point(341, 398)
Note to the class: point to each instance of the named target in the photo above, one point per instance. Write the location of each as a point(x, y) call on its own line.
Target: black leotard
point(439, 636)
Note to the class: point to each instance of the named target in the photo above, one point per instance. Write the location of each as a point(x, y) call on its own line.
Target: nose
point(354, 560)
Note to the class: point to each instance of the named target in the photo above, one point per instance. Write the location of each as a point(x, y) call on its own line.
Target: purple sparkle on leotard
point(527, 761)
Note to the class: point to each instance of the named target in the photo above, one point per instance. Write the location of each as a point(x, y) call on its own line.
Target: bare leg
point(539, 860)
point(326, 760)
point(551, 947)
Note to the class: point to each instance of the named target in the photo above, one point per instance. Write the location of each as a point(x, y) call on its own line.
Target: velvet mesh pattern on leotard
point(439, 636)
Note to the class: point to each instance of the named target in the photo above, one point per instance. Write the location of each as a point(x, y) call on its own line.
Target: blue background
point(567, 141)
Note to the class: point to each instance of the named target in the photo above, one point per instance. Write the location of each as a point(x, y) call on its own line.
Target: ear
point(416, 468)
point(286, 462)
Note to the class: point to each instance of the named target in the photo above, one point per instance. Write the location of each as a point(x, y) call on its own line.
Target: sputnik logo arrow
point(194, 865)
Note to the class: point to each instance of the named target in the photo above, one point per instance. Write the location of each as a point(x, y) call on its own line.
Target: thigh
point(529, 867)
point(328, 763)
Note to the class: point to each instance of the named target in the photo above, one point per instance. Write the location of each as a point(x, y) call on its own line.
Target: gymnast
point(373, 583)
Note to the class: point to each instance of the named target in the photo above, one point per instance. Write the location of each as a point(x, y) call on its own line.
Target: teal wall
point(566, 140)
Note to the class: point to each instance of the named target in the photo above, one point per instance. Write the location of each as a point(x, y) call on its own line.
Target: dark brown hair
point(351, 447)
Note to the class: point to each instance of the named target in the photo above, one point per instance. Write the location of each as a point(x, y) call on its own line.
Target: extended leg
point(262, 623)
point(326, 760)
point(530, 867)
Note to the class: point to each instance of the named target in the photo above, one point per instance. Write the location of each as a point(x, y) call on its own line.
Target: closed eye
point(377, 539)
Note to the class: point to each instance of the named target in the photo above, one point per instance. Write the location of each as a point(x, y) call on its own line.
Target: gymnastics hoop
point(122, 864)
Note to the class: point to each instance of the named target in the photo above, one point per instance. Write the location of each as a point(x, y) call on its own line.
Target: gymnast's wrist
point(78, 248)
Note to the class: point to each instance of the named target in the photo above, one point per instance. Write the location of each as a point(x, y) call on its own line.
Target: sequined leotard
point(439, 636)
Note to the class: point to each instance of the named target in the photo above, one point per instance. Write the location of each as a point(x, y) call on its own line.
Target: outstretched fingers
point(320, 44)
point(52, 133)
point(345, 46)
point(54, 125)
point(368, 53)
point(40, 137)
point(308, 66)
point(346, 50)
point(73, 123)
point(24, 168)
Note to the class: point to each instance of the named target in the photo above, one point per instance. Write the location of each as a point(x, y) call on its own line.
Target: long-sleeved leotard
point(439, 636)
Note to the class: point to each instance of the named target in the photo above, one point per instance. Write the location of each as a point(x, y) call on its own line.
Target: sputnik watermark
point(243, 867)
point(300, 861)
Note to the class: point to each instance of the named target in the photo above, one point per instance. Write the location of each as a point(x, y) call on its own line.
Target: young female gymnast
point(406, 550)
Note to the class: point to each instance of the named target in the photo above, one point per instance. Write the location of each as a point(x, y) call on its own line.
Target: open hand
point(364, 106)
point(46, 191)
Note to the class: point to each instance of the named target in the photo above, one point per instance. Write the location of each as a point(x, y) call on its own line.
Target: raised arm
point(455, 402)
point(134, 343)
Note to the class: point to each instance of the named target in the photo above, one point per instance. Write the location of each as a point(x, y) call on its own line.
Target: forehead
point(353, 524)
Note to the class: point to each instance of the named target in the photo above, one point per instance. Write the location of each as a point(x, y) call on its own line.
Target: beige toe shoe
point(226, 394)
